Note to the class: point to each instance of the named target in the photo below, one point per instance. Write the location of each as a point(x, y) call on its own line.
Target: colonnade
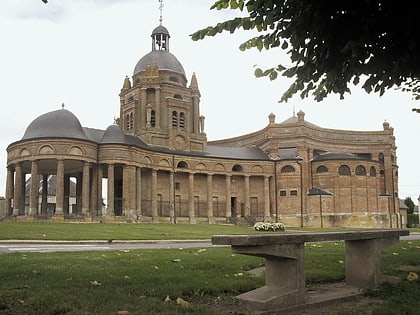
point(127, 188)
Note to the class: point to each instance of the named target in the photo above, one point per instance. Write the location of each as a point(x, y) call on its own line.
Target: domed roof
point(56, 124)
point(164, 60)
point(113, 134)
point(160, 30)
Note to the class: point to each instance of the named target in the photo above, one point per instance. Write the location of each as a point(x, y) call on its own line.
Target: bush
point(413, 220)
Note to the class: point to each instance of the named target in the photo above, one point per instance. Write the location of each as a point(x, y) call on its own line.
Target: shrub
point(413, 220)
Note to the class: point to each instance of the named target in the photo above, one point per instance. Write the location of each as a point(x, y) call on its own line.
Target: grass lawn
point(107, 231)
point(138, 281)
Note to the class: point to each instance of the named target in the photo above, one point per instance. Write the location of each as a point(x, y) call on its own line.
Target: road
point(45, 246)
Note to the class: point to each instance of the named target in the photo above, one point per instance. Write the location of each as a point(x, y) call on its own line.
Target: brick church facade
point(157, 165)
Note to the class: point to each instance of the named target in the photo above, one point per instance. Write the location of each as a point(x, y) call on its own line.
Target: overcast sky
point(78, 52)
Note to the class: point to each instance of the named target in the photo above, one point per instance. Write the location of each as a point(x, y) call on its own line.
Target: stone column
point(158, 109)
point(66, 207)
point(44, 198)
point(129, 190)
point(138, 192)
point(111, 193)
point(85, 188)
point(155, 217)
point(267, 215)
point(18, 203)
point(191, 197)
point(247, 197)
point(79, 192)
point(9, 189)
point(228, 201)
point(210, 214)
point(94, 191)
point(100, 175)
point(59, 189)
point(171, 197)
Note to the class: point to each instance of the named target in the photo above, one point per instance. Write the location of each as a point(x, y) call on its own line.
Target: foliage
point(410, 204)
point(413, 220)
point(331, 43)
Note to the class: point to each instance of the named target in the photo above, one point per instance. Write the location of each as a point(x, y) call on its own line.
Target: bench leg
point(284, 276)
point(363, 261)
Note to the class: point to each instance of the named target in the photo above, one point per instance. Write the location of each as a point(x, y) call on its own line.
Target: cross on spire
point(160, 9)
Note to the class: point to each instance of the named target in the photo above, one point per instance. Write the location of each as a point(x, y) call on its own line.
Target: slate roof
point(64, 124)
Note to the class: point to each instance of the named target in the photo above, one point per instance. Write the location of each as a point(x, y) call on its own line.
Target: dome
point(56, 124)
point(164, 60)
point(113, 134)
point(160, 30)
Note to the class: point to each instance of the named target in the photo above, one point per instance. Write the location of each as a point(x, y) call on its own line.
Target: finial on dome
point(62, 105)
point(160, 9)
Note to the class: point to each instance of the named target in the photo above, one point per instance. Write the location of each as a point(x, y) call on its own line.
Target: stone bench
point(284, 262)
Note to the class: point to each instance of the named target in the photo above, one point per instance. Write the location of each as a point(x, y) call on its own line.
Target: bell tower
point(157, 105)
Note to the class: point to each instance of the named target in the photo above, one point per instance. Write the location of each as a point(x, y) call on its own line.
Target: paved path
point(59, 246)
point(44, 247)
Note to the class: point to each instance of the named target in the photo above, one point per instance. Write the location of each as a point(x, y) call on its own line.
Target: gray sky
point(78, 52)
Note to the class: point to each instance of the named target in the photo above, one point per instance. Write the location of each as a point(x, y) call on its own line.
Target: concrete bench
point(284, 262)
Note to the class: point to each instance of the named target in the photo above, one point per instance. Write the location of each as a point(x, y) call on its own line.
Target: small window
point(322, 169)
point(182, 164)
point(131, 120)
point(360, 170)
point(182, 120)
point(237, 168)
point(283, 193)
point(174, 119)
point(178, 96)
point(153, 118)
point(293, 193)
point(287, 169)
point(173, 79)
point(177, 185)
point(344, 170)
point(382, 172)
point(372, 171)
point(127, 122)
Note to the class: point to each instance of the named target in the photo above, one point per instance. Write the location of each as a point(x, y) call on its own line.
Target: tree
point(332, 44)
point(410, 204)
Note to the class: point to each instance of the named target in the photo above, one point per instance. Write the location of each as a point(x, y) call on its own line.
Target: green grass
point(106, 231)
point(136, 282)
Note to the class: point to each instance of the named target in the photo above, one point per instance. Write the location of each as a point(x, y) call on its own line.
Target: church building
point(156, 165)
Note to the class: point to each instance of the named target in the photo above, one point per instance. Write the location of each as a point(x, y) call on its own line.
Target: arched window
point(360, 170)
point(237, 168)
point(322, 169)
point(287, 169)
point(173, 79)
point(372, 171)
point(174, 119)
point(182, 120)
point(182, 164)
point(178, 96)
point(344, 170)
